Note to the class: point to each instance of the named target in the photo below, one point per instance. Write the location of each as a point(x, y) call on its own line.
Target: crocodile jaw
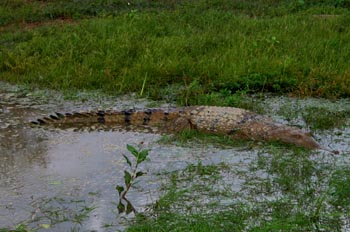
point(294, 136)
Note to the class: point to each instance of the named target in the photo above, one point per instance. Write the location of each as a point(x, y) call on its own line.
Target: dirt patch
point(24, 26)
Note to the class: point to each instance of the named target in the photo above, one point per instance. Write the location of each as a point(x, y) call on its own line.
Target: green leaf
point(127, 178)
point(132, 150)
point(120, 189)
point(142, 156)
point(127, 160)
point(139, 174)
point(121, 207)
point(129, 208)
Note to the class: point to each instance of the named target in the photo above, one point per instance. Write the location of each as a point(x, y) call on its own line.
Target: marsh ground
point(233, 53)
point(65, 179)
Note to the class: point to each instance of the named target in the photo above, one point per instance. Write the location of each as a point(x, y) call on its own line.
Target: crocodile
point(230, 121)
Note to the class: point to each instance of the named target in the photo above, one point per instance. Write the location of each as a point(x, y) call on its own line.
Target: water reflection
point(49, 174)
point(22, 156)
point(20, 148)
point(43, 171)
point(82, 166)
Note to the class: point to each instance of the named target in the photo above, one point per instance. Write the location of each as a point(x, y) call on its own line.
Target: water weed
point(55, 211)
point(130, 178)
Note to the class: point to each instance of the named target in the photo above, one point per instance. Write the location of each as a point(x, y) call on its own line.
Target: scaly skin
point(234, 122)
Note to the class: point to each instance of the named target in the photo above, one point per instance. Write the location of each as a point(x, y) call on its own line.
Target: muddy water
point(44, 171)
point(50, 177)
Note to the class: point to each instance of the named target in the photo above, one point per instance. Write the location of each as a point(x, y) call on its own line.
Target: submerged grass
point(190, 51)
point(283, 190)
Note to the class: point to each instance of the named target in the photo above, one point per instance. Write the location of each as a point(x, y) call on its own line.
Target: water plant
point(140, 155)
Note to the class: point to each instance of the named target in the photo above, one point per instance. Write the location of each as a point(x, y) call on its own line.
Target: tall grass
point(199, 49)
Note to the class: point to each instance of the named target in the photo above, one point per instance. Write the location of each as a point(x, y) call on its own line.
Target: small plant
point(188, 95)
point(130, 177)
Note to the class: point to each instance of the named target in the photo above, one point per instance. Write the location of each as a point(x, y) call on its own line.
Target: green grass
point(296, 193)
point(319, 118)
point(14, 11)
point(190, 52)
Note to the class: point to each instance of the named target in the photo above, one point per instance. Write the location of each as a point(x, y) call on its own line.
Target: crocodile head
point(295, 136)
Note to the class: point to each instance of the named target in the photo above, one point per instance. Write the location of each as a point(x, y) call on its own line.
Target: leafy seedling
point(130, 177)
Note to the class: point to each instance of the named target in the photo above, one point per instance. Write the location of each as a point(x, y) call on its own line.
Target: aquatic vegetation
point(130, 178)
point(282, 190)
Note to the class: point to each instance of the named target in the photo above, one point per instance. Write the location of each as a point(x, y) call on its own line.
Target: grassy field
point(203, 52)
point(197, 52)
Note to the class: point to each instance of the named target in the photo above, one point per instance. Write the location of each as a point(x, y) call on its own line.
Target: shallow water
point(49, 176)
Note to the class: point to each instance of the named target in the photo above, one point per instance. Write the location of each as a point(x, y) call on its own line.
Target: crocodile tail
point(69, 118)
point(152, 117)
